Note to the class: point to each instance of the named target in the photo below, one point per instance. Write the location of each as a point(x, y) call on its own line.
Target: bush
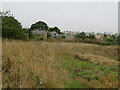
point(11, 28)
point(48, 35)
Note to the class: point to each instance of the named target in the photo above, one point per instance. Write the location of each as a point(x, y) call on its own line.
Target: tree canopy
point(40, 25)
point(11, 28)
point(81, 35)
point(55, 29)
point(91, 36)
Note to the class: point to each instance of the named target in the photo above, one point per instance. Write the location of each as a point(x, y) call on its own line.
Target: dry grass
point(30, 64)
point(96, 59)
point(22, 59)
point(105, 81)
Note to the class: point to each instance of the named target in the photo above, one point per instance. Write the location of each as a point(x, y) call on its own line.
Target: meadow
point(41, 64)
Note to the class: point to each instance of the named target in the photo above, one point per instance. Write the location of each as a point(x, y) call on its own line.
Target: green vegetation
point(40, 25)
point(58, 65)
point(81, 35)
point(55, 29)
point(88, 71)
point(11, 28)
point(73, 84)
point(91, 36)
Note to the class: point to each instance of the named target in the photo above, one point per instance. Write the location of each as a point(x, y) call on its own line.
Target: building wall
point(54, 34)
point(42, 34)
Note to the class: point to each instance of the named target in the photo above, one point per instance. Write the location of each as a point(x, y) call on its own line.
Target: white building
point(54, 34)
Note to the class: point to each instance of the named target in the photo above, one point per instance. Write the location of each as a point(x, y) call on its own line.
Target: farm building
point(54, 34)
point(40, 33)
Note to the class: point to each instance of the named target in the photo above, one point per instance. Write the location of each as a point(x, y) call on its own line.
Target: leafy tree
point(40, 25)
point(91, 36)
point(109, 39)
point(55, 29)
point(105, 35)
point(11, 28)
point(48, 35)
point(28, 32)
point(81, 35)
point(114, 37)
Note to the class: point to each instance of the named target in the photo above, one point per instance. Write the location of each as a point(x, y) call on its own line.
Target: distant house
point(69, 37)
point(41, 33)
point(54, 34)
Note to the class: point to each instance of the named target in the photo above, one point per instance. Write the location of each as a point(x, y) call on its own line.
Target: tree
point(48, 35)
point(105, 35)
point(91, 36)
point(28, 32)
point(55, 29)
point(81, 35)
point(40, 25)
point(110, 39)
point(11, 28)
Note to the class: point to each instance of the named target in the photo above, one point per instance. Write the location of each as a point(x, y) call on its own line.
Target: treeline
point(83, 35)
point(91, 38)
point(12, 28)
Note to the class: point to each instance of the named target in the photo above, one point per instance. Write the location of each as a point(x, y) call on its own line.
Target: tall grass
point(31, 64)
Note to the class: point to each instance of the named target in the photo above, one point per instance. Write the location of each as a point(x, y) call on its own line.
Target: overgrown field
point(35, 64)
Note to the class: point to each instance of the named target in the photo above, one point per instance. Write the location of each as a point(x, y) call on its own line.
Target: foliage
point(105, 35)
point(28, 32)
point(48, 35)
point(81, 35)
point(55, 29)
point(111, 39)
point(73, 84)
point(11, 28)
point(40, 25)
point(91, 36)
point(85, 73)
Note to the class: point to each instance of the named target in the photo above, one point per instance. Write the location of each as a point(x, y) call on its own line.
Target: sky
point(67, 16)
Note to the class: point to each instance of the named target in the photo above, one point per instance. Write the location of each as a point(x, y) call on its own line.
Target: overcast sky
point(79, 16)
